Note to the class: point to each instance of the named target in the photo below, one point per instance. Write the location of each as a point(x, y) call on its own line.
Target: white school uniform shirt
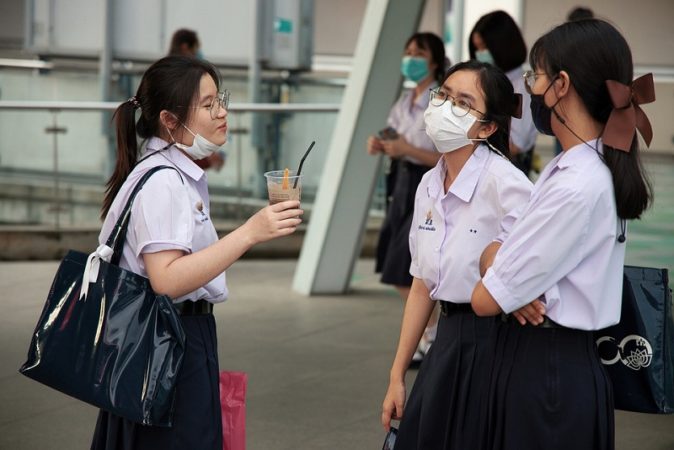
point(522, 131)
point(169, 213)
point(565, 244)
point(450, 230)
point(409, 122)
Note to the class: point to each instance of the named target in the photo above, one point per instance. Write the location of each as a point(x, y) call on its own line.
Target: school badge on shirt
point(428, 223)
point(200, 207)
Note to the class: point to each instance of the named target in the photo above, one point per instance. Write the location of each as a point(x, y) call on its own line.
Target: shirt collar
point(466, 182)
point(175, 156)
point(579, 153)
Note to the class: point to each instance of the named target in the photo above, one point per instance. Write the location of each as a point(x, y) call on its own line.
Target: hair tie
point(517, 106)
point(627, 116)
point(134, 102)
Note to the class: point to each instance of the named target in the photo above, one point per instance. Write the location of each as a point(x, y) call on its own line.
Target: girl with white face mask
point(461, 205)
point(171, 240)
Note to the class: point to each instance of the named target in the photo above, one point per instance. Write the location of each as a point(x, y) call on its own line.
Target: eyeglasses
point(530, 78)
point(460, 107)
point(221, 100)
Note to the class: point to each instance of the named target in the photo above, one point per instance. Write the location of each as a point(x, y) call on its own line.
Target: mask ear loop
point(171, 135)
point(486, 140)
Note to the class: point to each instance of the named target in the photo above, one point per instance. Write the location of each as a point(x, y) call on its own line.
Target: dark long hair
point(592, 51)
point(432, 43)
point(499, 96)
point(502, 37)
point(171, 84)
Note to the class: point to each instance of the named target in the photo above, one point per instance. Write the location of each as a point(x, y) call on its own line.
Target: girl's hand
point(374, 146)
point(394, 402)
point(532, 313)
point(396, 148)
point(274, 221)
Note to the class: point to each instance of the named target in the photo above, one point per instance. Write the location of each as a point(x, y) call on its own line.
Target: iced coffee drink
point(283, 185)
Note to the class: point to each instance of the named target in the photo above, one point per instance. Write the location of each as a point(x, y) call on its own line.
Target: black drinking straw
point(302, 162)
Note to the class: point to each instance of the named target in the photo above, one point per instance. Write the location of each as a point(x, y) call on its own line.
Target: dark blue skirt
point(548, 391)
point(393, 248)
point(197, 423)
point(447, 406)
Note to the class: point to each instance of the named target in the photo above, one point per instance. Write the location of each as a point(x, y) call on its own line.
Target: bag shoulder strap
point(118, 234)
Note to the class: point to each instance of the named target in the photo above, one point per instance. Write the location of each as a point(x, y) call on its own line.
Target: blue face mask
point(199, 54)
point(414, 68)
point(484, 56)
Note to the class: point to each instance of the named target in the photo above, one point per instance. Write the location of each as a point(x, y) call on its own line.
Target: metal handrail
point(56, 106)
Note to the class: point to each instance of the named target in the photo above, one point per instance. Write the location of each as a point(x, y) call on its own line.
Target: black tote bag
point(113, 342)
point(638, 352)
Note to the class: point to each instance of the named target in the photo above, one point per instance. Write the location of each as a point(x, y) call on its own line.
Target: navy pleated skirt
point(447, 406)
point(548, 391)
point(197, 423)
point(393, 248)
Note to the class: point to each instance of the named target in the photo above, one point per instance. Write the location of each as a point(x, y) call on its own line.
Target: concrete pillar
point(333, 239)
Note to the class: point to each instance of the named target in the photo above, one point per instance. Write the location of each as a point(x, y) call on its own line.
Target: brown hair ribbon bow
point(627, 116)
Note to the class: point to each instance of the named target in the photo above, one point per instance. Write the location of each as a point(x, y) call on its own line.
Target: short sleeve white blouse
point(450, 230)
point(171, 212)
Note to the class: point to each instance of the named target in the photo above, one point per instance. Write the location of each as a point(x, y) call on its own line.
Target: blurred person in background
point(185, 42)
point(580, 13)
point(411, 154)
point(496, 39)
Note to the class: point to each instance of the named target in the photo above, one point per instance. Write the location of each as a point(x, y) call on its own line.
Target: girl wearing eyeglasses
point(549, 389)
point(460, 206)
point(171, 240)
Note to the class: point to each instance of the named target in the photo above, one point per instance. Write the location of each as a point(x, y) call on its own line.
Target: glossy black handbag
point(111, 342)
point(638, 352)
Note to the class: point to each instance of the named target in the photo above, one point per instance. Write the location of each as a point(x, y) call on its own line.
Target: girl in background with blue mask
point(411, 154)
point(460, 206)
point(496, 39)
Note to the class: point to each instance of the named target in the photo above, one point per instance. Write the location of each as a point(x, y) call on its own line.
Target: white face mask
point(200, 148)
point(447, 131)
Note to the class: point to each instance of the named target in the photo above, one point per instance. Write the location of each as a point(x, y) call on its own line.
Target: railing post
point(55, 130)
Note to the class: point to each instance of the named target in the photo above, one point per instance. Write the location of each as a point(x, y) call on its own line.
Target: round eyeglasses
point(219, 101)
point(460, 107)
point(530, 78)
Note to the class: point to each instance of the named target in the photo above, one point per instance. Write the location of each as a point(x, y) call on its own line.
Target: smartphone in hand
point(387, 133)
point(390, 440)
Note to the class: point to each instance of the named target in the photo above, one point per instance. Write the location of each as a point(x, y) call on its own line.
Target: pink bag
point(233, 404)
